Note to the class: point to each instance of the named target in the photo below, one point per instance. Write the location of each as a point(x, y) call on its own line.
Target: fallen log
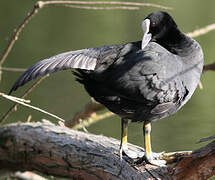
point(62, 152)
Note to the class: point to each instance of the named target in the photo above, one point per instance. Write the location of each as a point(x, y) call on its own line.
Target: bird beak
point(146, 35)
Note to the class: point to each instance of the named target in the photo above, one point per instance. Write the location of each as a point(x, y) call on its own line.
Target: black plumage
point(138, 82)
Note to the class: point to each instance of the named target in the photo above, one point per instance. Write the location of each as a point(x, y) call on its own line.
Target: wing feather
point(87, 59)
point(80, 59)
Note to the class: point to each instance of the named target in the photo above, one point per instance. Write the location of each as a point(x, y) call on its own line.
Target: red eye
point(153, 24)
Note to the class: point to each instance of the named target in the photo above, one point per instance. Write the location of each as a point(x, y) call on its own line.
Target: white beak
point(146, 36)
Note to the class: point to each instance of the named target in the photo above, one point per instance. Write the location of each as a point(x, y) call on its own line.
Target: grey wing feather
point(80, 59)
point(162, 108)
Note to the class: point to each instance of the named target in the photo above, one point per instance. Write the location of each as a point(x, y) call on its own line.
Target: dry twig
point(92, 119)
point(88, 111)
point(127, 4)
point(6, 115)
point(87, 116)
point(12, 69)
point(23, 102)
point(16, 33)
point(202, 31)
point(102, 8)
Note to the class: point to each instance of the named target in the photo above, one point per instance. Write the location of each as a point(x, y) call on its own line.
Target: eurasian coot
point(141, 81)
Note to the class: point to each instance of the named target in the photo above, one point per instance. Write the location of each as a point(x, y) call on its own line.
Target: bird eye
point(153, 24)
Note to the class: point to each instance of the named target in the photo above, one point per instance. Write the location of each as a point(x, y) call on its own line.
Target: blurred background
point(58, 29)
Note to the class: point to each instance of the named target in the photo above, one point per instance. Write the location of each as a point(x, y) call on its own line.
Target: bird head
point(156, 26)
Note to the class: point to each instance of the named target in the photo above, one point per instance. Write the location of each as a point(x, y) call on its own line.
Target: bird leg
point(152, 158)
point(124, 132)
point(123, 145)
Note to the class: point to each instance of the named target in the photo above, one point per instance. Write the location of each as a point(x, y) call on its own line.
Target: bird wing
point(164, 81)
point(153, 75)
point(81, 59)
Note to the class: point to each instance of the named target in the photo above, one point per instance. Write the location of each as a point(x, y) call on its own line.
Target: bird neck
point(176, 42)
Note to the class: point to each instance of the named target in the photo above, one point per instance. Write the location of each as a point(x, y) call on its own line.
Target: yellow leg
point(151, 158)
point(124, 133)
point(124, 141)
point(147, 140)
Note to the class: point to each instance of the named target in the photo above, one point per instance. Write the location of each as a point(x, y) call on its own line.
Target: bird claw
point(157, 162)
point(156, 159)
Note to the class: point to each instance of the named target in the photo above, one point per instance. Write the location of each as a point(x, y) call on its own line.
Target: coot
point(140, 81)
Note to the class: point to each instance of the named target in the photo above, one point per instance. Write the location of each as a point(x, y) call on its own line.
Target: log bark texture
point(62, 152)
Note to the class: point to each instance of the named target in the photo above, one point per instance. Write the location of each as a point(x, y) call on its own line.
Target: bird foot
point(156, 159)
point(134, 155)
point(163, 158)
point(159, 155)
point(137, 157)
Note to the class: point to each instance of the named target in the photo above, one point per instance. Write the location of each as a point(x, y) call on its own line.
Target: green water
point(56, 29)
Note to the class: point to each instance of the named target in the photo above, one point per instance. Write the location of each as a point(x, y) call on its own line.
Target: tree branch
point(87, 115)
point(12, 69)
point(14, 107)
point(63, 152)
point(202, 31)
point(24, 103)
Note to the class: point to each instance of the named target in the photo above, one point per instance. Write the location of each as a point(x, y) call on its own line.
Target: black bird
point(140, 81)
